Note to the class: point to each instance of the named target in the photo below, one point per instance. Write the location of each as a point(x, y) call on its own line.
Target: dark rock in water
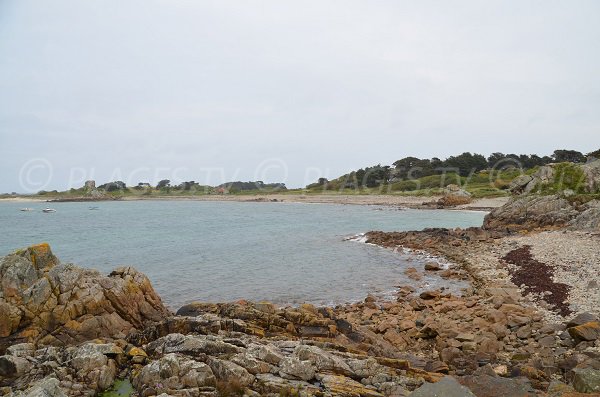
point(432, 266)
point(427, 295)
point(446, 387)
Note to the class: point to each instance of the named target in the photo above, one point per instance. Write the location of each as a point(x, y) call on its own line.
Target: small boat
point(93, 208)
point(26, 209)
point(47, 210)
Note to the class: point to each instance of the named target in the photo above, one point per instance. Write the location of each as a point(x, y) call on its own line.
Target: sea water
point(287, 253)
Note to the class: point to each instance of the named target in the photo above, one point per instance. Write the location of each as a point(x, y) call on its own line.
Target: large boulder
point(49, 303)
point(530, 212)
point(454, 195)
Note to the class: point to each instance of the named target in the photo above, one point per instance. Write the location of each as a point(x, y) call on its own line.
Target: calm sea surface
point(221, 251)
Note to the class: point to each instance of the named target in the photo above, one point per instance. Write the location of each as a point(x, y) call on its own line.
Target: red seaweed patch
point(537, 279)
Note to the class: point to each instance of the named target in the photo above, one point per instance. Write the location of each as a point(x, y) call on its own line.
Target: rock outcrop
point(453, 196)
point(48, 303)
point(525, 184)
point(531, 212)
point(544, 212)
point(588, 179)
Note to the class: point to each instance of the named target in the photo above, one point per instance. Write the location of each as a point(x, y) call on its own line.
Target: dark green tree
point(571, 156)
point(466, 163)
point(163, 183)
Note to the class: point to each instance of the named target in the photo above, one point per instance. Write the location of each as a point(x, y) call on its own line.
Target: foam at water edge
point(358, 238)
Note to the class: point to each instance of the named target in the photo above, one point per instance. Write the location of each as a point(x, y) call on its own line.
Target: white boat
point(26, 209)
point(93, 208)
point(47, 210)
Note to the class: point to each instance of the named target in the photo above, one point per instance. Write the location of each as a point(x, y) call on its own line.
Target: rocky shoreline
point(527, 326)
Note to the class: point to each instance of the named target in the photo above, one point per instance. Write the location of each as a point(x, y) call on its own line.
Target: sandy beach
point(363, 199)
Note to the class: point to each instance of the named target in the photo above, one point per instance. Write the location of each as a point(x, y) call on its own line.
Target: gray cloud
point(114, 87)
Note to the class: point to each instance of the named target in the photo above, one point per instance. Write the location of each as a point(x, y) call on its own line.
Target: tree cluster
point(465, 164)
point(252, 185)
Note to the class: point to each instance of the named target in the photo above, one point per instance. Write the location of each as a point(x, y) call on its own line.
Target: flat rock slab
point(446, 387)
point(493, 386)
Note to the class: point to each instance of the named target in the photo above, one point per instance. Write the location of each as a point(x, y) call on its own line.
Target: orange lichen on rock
point(41, 256)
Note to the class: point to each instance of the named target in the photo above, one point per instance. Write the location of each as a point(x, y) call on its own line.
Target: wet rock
point(586, 380)
point(433, 266)
point(447, 387)
point(137, 355)
point(413, 274)
point(428, 295)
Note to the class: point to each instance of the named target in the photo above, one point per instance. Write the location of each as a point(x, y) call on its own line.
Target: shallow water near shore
point(287, 253)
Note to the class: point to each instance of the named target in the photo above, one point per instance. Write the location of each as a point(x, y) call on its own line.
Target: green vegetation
point(482, 177)
point(567, 176)
point(581, 199)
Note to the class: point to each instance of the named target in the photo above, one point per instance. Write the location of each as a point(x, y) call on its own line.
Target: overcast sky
point(214, 91)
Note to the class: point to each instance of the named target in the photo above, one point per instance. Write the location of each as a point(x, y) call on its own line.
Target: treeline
point(465, 164)
point(166, 186)
point(239, 186)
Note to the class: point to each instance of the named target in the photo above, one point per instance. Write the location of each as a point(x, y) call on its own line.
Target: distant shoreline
point(415, 202)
